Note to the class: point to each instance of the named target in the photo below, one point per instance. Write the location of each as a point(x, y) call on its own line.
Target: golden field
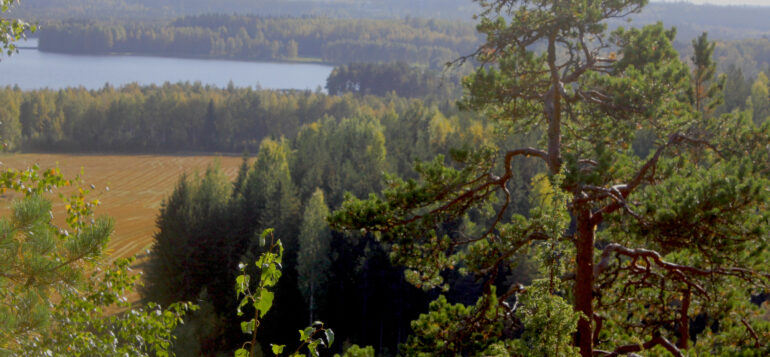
point(131, 188)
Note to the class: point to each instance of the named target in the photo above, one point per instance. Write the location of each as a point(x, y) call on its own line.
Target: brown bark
point(684, 322)
point(584, 280)
point(655, 341)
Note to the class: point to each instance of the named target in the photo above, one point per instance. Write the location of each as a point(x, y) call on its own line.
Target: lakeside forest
point(568, 190)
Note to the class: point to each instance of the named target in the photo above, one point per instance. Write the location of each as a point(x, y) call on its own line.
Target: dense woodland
point(425, 42)
point(195, 118)
point(629, 188)
point(399, 78)
point(44, 10)
point(192, 117)
point(430, 43)
point(722, 23)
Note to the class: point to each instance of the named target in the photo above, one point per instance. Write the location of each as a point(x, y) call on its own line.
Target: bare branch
point(655, 341)
point(681, 271)
point(752, 332)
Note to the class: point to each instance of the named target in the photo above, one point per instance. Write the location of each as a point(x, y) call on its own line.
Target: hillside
point(722, 22)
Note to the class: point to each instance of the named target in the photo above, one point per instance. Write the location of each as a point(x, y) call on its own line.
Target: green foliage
point(353, 159)
point(12, 30)
point(638, 245)
point(382, 79)
point(313, 258)
point(39, 258)
point(356, 351)
point(81, 326)
point(190, 219)
point(549, 322)
point(442, 331)
point(331, 40)
point(187, 117)
point(268, 196)
point(53, 294)
point(261, 300)
point(759, 101)
point(704, 86)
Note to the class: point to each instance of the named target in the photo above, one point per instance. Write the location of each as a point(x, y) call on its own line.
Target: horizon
point(764, 3)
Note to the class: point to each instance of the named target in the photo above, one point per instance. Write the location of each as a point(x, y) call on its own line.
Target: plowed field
point(130, 188)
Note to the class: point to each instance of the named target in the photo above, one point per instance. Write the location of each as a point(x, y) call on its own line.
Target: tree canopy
point(53, 295)
point(642, 247)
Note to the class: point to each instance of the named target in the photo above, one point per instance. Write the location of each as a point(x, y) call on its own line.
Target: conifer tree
point(760, 99)
point(192, 249)
point(704, 68)
point(38, 258)
point(313, 259)
point(639, 246)
point(52, 294)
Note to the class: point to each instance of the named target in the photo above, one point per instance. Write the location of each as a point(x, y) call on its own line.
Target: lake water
point(33, 69)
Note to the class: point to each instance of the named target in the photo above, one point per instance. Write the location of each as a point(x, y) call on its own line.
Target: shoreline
point(298, 60)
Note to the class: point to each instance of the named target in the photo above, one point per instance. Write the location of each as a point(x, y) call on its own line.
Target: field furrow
point(130, 188)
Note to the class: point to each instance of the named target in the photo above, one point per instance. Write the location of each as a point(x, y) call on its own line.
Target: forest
point(583, 191)
point(188, 117)
point(426, 42)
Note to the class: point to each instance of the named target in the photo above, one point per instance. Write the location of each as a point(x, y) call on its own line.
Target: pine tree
point(639, 246)
point(53, 294)
point(707, 93)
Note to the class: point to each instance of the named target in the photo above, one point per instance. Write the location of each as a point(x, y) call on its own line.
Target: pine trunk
point(584, 281)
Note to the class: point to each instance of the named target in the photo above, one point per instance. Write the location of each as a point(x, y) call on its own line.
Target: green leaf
point(243, 303)
point(247, 326)
point(329, 336)
point(277, 349)
point(263, 236)
point(313, 348)
point(265, 302)
point(305, 335)
point(241, 283)
point(241, 352)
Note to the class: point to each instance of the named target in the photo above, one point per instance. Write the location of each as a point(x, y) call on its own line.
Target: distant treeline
point(208, 224)
point(173, 117)
point(305, 142)
point(425, 42)
point(750, 55)
point(722, 22)
point(404, 80)
point(45, 10)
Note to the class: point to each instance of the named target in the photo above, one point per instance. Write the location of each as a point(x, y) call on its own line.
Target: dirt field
point(130, 188)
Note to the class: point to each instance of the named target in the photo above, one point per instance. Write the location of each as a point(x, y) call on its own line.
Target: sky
point(724, 2)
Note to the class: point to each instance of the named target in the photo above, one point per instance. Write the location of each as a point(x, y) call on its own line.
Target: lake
point(33, 69)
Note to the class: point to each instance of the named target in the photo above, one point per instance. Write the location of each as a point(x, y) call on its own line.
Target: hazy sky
point(724, 2)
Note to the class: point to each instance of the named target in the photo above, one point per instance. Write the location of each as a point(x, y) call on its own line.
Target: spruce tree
point(313, 259)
